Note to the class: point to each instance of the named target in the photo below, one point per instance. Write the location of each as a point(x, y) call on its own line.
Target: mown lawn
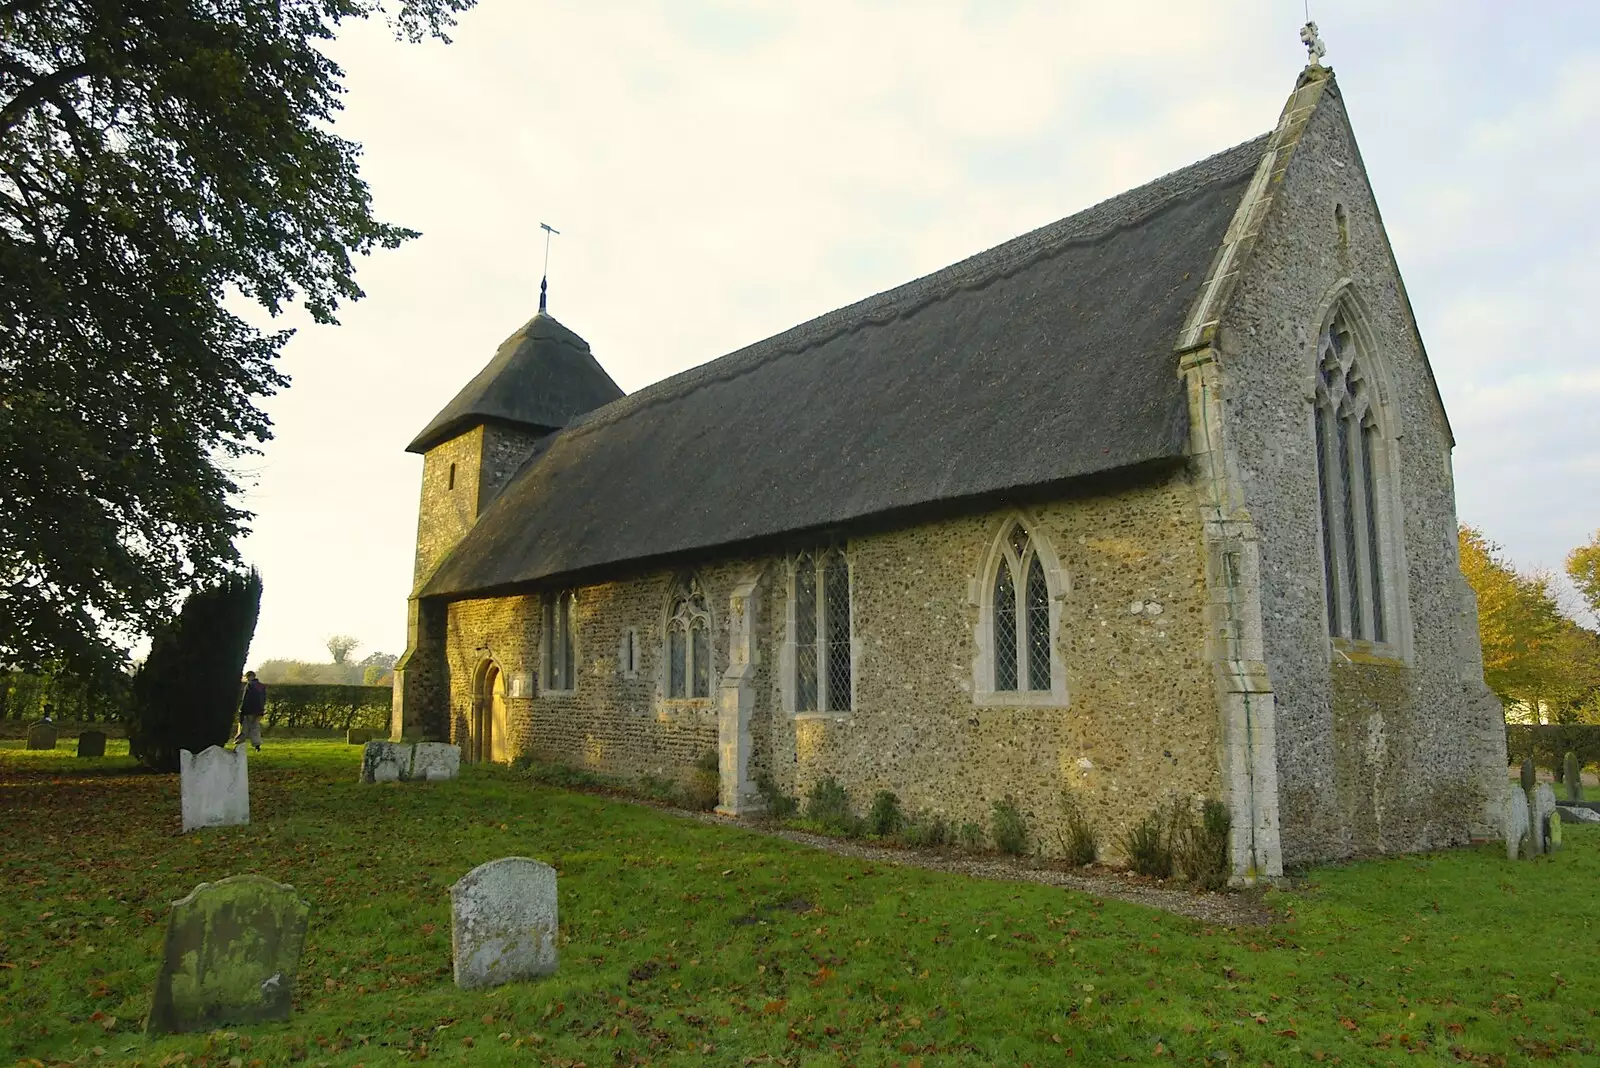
point(684, 943)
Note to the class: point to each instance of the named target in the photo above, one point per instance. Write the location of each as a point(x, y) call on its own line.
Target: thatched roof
point(1044, 360)
point(540, 378)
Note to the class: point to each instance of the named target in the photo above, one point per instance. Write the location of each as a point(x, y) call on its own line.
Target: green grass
point(691, 944)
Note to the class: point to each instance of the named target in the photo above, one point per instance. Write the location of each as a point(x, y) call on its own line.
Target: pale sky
point(723, 171)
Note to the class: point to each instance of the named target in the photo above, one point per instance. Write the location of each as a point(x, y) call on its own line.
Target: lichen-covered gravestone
point(1555, 830)
point(433, 761)
point(1543, 803)
point(216, 787)
point(386, 761)
point(42, 736)
point(92, 744)
point(503, 922)
point(231, 952)
point(1515, 822)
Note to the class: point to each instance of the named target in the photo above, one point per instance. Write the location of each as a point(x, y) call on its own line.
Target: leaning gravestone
point(216, 787)
point(231, 952)
point(503, 922)
point(92, 744)
point(386, 761)
point(1515, 822)
point(433, 761)
point(1543, 803)
point(42, 736)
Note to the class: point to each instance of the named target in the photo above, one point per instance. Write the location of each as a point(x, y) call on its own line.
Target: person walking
point(251, 707)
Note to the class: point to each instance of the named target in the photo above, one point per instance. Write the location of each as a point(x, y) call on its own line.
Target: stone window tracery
point(822, 634)
point(1351, 456)
point(1021, 617)
point(688, 644)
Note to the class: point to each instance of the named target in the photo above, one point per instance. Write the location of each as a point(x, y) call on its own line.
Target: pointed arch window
point(1020, 618)
point(1351, 466)
point(688, 644)
point(823, 661)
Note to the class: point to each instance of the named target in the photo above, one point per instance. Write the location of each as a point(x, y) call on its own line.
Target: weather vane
point(1315, 49)
point(544, 281)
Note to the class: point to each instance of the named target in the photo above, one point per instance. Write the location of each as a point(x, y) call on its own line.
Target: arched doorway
point(491, 731)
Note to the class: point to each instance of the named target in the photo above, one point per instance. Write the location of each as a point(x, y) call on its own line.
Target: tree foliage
point(185, 694)
point(340, 646)
point(156, 158)
point(1583, 568)
point(1533, 655)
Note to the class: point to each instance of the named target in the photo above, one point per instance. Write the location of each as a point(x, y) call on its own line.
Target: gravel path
point(1238, 909)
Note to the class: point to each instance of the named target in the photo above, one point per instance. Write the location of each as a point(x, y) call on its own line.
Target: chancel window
point(688, 643)
point(822, 649)
point(559, 656)
point(1350, 462)
point(1021, 617)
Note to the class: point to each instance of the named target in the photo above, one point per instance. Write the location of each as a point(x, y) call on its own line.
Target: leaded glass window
point(688, 643)
point(1020, 617)
point(822, 633)
point(1005, 628)
point(1038, 602)
point(1350, 453)
point(559, 654)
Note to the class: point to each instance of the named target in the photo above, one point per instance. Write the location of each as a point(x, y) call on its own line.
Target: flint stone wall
point(1140, 720)
point(1376, 753)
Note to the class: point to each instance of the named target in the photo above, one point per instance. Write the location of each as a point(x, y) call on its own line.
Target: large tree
point(159, 160)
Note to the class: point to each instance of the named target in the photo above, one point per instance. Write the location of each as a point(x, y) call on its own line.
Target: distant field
point(691, 944)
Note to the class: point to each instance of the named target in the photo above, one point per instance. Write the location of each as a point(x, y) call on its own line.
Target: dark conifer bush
point(186, 693)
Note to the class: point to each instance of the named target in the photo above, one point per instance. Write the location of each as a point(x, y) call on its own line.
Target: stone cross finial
point(1315, 49)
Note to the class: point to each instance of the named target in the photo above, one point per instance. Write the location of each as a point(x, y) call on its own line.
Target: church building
point(1152, 502)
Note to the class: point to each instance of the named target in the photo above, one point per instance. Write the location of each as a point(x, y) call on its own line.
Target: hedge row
point(327, 706)
point(1549, 743)
point(24, 697)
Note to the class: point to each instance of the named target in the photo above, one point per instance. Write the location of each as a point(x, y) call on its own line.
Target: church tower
point(540, 378)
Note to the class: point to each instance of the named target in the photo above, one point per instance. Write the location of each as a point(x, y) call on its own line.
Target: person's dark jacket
point(255, 698)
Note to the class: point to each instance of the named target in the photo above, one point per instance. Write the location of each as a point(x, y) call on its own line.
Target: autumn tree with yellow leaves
point(1541, 663)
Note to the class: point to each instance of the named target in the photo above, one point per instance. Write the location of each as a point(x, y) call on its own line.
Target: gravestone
point(435, 761)
point(231, 951)
point(503, 922)
point(386, 761)
point(216, 787)
point(1515, 822)
point(92, 744)
point(1555, 830)
point(359, 735)
point(42, 736)
point(1544, 803)
point(1579, 814)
